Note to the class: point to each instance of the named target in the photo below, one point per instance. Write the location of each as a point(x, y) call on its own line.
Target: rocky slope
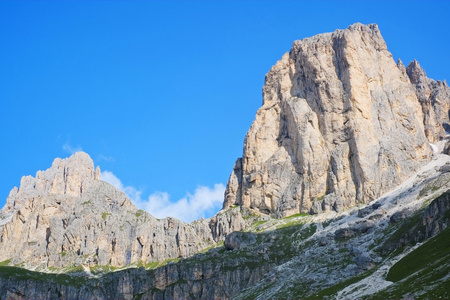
point(347, 255)
point(343, 135)
point(341, 123)
point(66, 216)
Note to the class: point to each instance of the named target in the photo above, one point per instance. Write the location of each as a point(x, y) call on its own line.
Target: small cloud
point(70, 149)
point(106, 158)
point(205, 201)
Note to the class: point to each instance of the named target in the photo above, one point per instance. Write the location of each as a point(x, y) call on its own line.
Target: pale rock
point(340, 124)
point(67, 216)
point(65, 177)
point(434, 96)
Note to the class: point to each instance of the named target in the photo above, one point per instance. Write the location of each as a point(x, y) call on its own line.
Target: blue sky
point(161, 93)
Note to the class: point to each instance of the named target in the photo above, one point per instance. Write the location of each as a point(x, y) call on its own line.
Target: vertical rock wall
point(340, 124)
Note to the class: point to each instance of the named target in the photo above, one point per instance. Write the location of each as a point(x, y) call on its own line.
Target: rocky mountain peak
point(66, 216)
point(416, 74)
point(335, 45)
point(341, 123)
point(68, 176)
point(433, 96)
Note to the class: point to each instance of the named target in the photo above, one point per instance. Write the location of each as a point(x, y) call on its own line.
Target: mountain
point(340, 124)
point(67, 217)
point(343, 191)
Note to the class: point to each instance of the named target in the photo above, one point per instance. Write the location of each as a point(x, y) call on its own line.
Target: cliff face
point(434, 98)
point(340, 124)
point(300, 257)
point(66, 177)
point(67, 216)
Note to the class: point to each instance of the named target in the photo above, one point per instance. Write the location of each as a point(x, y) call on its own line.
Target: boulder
point(398, 216)
point(239, 240)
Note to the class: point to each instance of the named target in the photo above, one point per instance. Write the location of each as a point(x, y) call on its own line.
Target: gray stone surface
point(398, 216)
point(341, 123)
point(67, 216)
point(434, 98)
point(239, 240)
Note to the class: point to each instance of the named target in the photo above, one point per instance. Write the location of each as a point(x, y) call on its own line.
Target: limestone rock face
point(67, 216)
point(66, 177)
point(340, 124)
point(434, 97)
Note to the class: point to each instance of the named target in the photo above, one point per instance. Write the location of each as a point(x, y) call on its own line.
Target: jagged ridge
point(66, 216)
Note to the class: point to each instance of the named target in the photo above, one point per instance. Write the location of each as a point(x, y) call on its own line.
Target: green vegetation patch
point(23, 274)
point(252, 215)
point(210, 247)
point(105, 214)
point(258, 223)
point(296, 219)
point(434, 185)
point(140, 213)
point(5, 262)
point(102, 269)
point(428, 188)
point(70, 269)
point(333, 290)
point(297, 215)
point(423, 273)
point(437, 248)
point(156, 264)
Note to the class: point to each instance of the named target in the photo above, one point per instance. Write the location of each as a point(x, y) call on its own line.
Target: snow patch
point(434, 147)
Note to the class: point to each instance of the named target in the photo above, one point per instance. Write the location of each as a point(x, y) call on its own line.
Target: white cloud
point(70, 149)
point(132, 193)
point(106, 158)
point(203, 203)
point(205, 200)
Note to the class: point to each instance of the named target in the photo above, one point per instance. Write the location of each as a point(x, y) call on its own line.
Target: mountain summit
point(67, 216)
point(68, 177)
point(341, 123)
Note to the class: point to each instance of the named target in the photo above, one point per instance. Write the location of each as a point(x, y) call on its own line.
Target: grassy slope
point(423, 273)
point(437, 248)
point(19, 274)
